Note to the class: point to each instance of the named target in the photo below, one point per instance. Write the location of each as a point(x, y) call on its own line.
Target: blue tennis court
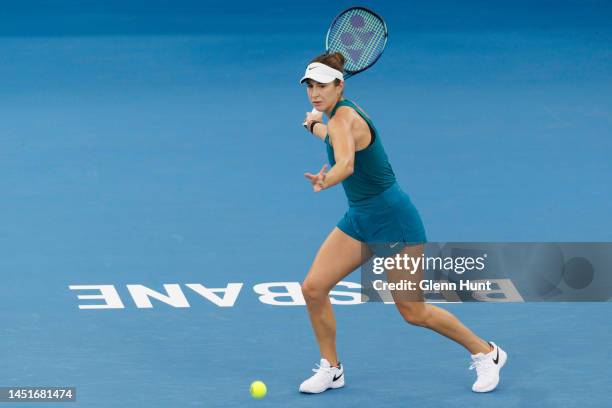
point(154, 207)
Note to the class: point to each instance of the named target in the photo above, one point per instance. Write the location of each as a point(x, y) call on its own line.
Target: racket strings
point(358, 35)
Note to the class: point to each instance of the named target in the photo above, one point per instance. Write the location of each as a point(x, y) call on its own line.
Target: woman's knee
point(313, 292)
point(415, 314)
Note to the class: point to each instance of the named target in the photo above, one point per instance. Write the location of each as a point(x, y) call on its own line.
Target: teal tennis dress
point(380, 213)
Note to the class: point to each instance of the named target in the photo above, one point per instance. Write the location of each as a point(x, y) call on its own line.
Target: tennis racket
point(360, 35)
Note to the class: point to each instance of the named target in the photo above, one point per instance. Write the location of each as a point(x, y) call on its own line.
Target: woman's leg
point(338, 256)
point(414, 310)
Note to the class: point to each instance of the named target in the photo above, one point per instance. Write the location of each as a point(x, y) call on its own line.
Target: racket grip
point(313, 112)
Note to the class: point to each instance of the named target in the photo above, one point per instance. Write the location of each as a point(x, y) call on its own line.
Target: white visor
point(321, 73)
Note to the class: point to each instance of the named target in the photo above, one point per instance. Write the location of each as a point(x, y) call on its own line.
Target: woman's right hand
point(312, 117)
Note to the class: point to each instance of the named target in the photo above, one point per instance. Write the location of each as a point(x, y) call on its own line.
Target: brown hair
point(333, 59)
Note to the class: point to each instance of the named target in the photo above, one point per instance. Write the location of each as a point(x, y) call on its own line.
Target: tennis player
point(379, 211)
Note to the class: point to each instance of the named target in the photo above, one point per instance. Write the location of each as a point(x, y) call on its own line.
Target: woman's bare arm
point(339, 128)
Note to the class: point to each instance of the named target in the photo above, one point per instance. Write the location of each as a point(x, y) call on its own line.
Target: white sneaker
point(325, 377)
point(487, 368)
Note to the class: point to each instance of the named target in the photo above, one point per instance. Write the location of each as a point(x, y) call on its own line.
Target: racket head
point(360, 35)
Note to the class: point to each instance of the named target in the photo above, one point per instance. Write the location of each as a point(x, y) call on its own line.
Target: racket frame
point(351, 73)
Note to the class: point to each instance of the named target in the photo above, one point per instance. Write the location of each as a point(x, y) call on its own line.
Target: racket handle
point(313, 112)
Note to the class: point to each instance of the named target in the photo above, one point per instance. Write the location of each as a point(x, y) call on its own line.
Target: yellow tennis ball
point(258, 389)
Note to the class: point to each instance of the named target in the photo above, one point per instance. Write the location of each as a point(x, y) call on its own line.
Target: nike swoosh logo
point(338, 377)
point(393, 245)
point(311, 68)
point(496, 359)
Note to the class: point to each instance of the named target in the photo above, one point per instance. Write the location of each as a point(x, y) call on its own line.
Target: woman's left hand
point(317, 179)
